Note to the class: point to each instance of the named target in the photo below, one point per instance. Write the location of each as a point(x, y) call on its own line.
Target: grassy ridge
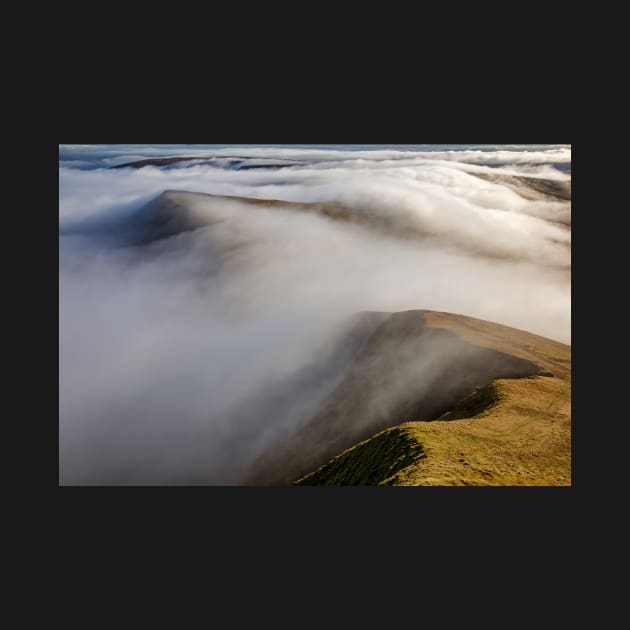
point(523, 439)
point(495, 411)
point(407, 370)
point(481, 399)
point(519, 434)
point(373, 462)
point(548, 354)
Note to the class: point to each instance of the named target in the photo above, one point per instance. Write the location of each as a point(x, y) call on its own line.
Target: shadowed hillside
point(531, 188)
point(508, 432)
point(174, 212)
point(224, 161)
point(155, 162)
point(373, 462)
point(520, 435)
point(408, 370)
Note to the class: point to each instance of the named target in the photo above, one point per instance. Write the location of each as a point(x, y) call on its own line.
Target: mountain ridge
point(415, 366)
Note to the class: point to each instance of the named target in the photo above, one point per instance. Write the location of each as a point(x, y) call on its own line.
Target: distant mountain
point(531, 188)
point(223, 161)
point(174, 212)
point(155, 162)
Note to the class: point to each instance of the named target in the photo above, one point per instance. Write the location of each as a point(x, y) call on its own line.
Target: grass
point(512, 432)
point(372, 462)
point(522, 439)
point(480, 400)
point(520, 434)
point(553, 356)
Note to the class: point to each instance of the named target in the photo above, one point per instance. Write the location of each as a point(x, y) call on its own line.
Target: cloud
point(183, 360)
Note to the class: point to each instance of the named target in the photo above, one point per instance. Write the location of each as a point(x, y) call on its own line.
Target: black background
point(510, 544)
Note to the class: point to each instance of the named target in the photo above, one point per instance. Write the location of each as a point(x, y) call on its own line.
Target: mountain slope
point(174, 212)
point(225, 161)
point(417, 365)
point(531, 188)
point(522, 438)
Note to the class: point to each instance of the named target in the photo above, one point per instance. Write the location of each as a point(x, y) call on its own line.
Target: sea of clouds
point(183, 360)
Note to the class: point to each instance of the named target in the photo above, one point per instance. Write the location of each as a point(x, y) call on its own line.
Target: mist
point(184, 359)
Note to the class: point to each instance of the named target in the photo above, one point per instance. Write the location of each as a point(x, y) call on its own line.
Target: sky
point(186, 359)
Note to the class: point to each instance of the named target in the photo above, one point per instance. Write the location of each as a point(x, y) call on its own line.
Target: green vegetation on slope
point(406, 370)
point(519, 433)
point(481, 399)
point(486, 404)
point(373, 462)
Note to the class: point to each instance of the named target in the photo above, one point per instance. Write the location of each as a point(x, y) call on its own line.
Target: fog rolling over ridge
point(210, 307)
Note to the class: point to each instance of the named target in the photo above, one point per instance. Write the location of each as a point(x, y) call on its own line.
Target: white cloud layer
point(179, 362)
